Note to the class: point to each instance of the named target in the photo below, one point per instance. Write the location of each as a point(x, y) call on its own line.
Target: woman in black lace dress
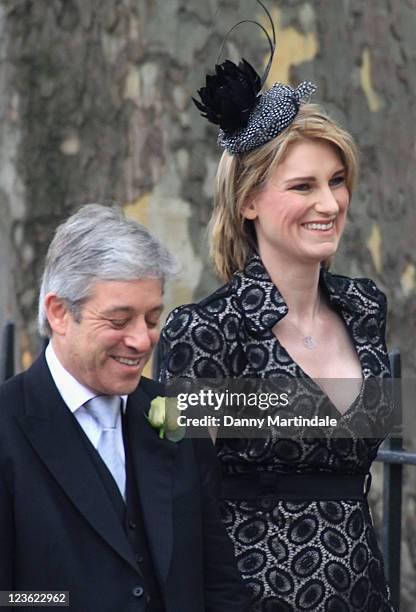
point(295, 509)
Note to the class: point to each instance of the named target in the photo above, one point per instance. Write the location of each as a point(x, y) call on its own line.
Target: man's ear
point(57, 313)
point(250, 210)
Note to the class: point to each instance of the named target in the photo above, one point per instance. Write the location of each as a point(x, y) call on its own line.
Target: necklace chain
point(308, 340)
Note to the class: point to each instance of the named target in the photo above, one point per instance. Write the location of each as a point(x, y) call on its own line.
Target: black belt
point(296, 487)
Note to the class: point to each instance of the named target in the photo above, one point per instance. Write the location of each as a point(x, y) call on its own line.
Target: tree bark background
point(95, 106)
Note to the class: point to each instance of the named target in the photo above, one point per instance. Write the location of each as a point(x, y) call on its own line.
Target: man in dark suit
point(92, 500)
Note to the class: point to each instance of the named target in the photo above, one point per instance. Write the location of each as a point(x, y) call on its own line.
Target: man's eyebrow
point(117, 308)
point(128, 309)
point(158, 309)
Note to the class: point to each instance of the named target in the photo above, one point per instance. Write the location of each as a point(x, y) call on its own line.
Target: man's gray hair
point(99, 243)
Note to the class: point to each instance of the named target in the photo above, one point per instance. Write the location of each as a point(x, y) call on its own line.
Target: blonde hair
point(233, 237)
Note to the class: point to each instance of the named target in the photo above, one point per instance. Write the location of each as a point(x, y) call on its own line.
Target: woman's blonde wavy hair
point(239, 177)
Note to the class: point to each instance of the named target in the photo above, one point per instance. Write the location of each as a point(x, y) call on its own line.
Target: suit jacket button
point(139, 558)
point(132, 525)
point(138, 591)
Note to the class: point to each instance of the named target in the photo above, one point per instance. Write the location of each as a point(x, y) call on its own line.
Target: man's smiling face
point(108, 348)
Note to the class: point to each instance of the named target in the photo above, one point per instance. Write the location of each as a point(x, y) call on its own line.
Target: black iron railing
point(7, 353)
point(392, 455)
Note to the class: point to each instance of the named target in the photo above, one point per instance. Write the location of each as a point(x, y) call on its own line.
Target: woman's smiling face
point(300, 213)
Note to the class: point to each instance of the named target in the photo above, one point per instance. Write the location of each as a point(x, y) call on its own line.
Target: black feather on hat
point(231, 99)
point(230, 95)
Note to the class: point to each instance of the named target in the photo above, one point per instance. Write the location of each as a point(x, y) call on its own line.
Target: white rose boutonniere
point(163, 415)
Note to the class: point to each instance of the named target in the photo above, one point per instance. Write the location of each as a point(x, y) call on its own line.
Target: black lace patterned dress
point(301, 553)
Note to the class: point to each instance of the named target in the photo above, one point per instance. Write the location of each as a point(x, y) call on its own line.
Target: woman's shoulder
point(193, 342)
point(360, 292)
point(209, 309)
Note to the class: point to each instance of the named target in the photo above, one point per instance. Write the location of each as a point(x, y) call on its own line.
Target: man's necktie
point(105, 409)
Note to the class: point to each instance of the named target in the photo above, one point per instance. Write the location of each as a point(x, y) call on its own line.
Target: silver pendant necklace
point(310, 342)
point(307, 340)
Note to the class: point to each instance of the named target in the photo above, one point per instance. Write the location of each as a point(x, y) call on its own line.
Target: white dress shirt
point(75, 395)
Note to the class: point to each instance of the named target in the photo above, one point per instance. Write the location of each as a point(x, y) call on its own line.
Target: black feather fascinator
point(232, 99)
point(230, 95)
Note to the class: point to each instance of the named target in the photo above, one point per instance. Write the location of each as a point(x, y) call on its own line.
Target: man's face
point(108, 349)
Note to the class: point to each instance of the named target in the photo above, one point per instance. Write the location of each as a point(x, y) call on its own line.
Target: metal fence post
point(392, 490)
point(7, 353)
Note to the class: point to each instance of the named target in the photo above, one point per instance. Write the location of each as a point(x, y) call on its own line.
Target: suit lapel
point(153, 460)
point(54, 434)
